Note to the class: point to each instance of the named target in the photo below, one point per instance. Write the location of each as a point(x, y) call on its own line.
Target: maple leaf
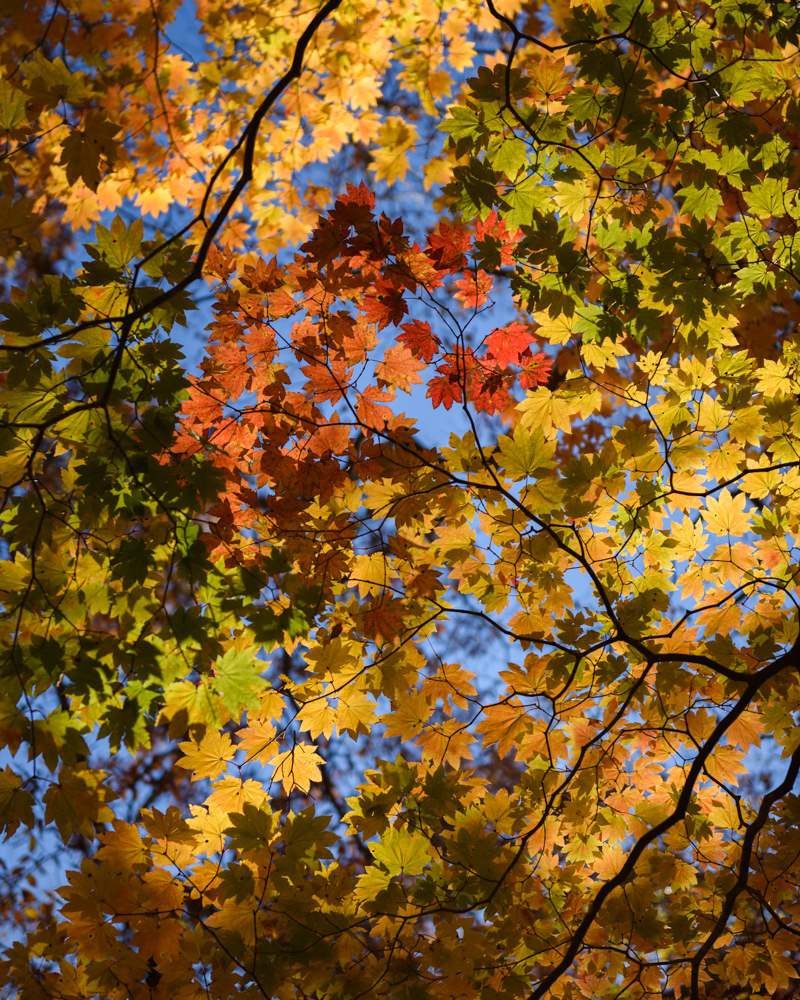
point(727, 515)
point(525, 453)
point(502, 724)
point(78, 801)
point(448, 743)
point(230, 794)
point(385, 305)
point(327, 383)
point(409, 717)
point(507, 344)
point(383, 621)
point(488, 392)
point(317, 718)
point(369, 408)
point(237, 680)
point(157, 938)
point(357, 196)
point(123, 848)
point(448, 248)
point(395, 137)
point(399, 368)
point(209, 757)
point(220, 262)
point(356, 715)
point(494, 245)
point(18, 224)
point(253, 829)
point(164, 891)
point(298, 767)
point(473, 288)
point(419, 338)
point(444, 390)
point(535, 370)
point(83, 148)
point(16, 804)
point(402, 852)
point(258, 740)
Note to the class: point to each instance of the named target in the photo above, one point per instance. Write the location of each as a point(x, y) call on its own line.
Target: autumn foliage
point(400, 461)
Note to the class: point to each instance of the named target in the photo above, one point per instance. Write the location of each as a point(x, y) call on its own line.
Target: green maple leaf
point(507, 155)
point(523, 201)
point(252, 829)
point(525, 453)
point(48, 82)
point(372, 883)
point(237, 680)
point(476, 187)
point(12, 107)
point(703, 198)
point(237, 882)
point(119, 245)
point(82, 149)
point(463, 123)
point(402, 852)
point(16, 804)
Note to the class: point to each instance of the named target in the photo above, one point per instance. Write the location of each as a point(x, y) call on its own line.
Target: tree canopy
point(436, 633)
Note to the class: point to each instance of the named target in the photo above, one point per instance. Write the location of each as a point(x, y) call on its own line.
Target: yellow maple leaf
point(355, 713)
point(316, 717)
point(603, 355)
point(164, 891)
point(298, 767)
point(78, 801)
point(259, 741)
point(690, 539)
point(209, 758)
point(777, 378)
point(210, 824)
point(575, 197)
point(231, 794)
point(123, 848)
point(395, 138)
point(370, 573)
point(727, 515)
point(154, 202)
point(446, 743)
point(408, 717)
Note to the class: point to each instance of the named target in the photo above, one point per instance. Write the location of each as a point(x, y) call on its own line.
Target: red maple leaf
point(473, 289)
point(494, 242)
point(391, 236)
point(399, 368)
point(264, 277)
point(535, 371)
point(326, 382)
point(488, 392)
point(330, 239)
point(220, 262)
point(203, 403)
point(507, 344)
point(445, 390)
point(360, 195)
point(455, 371)
point(448, 247)
point(369, 410)
point(385, 305)
point(417, 336)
